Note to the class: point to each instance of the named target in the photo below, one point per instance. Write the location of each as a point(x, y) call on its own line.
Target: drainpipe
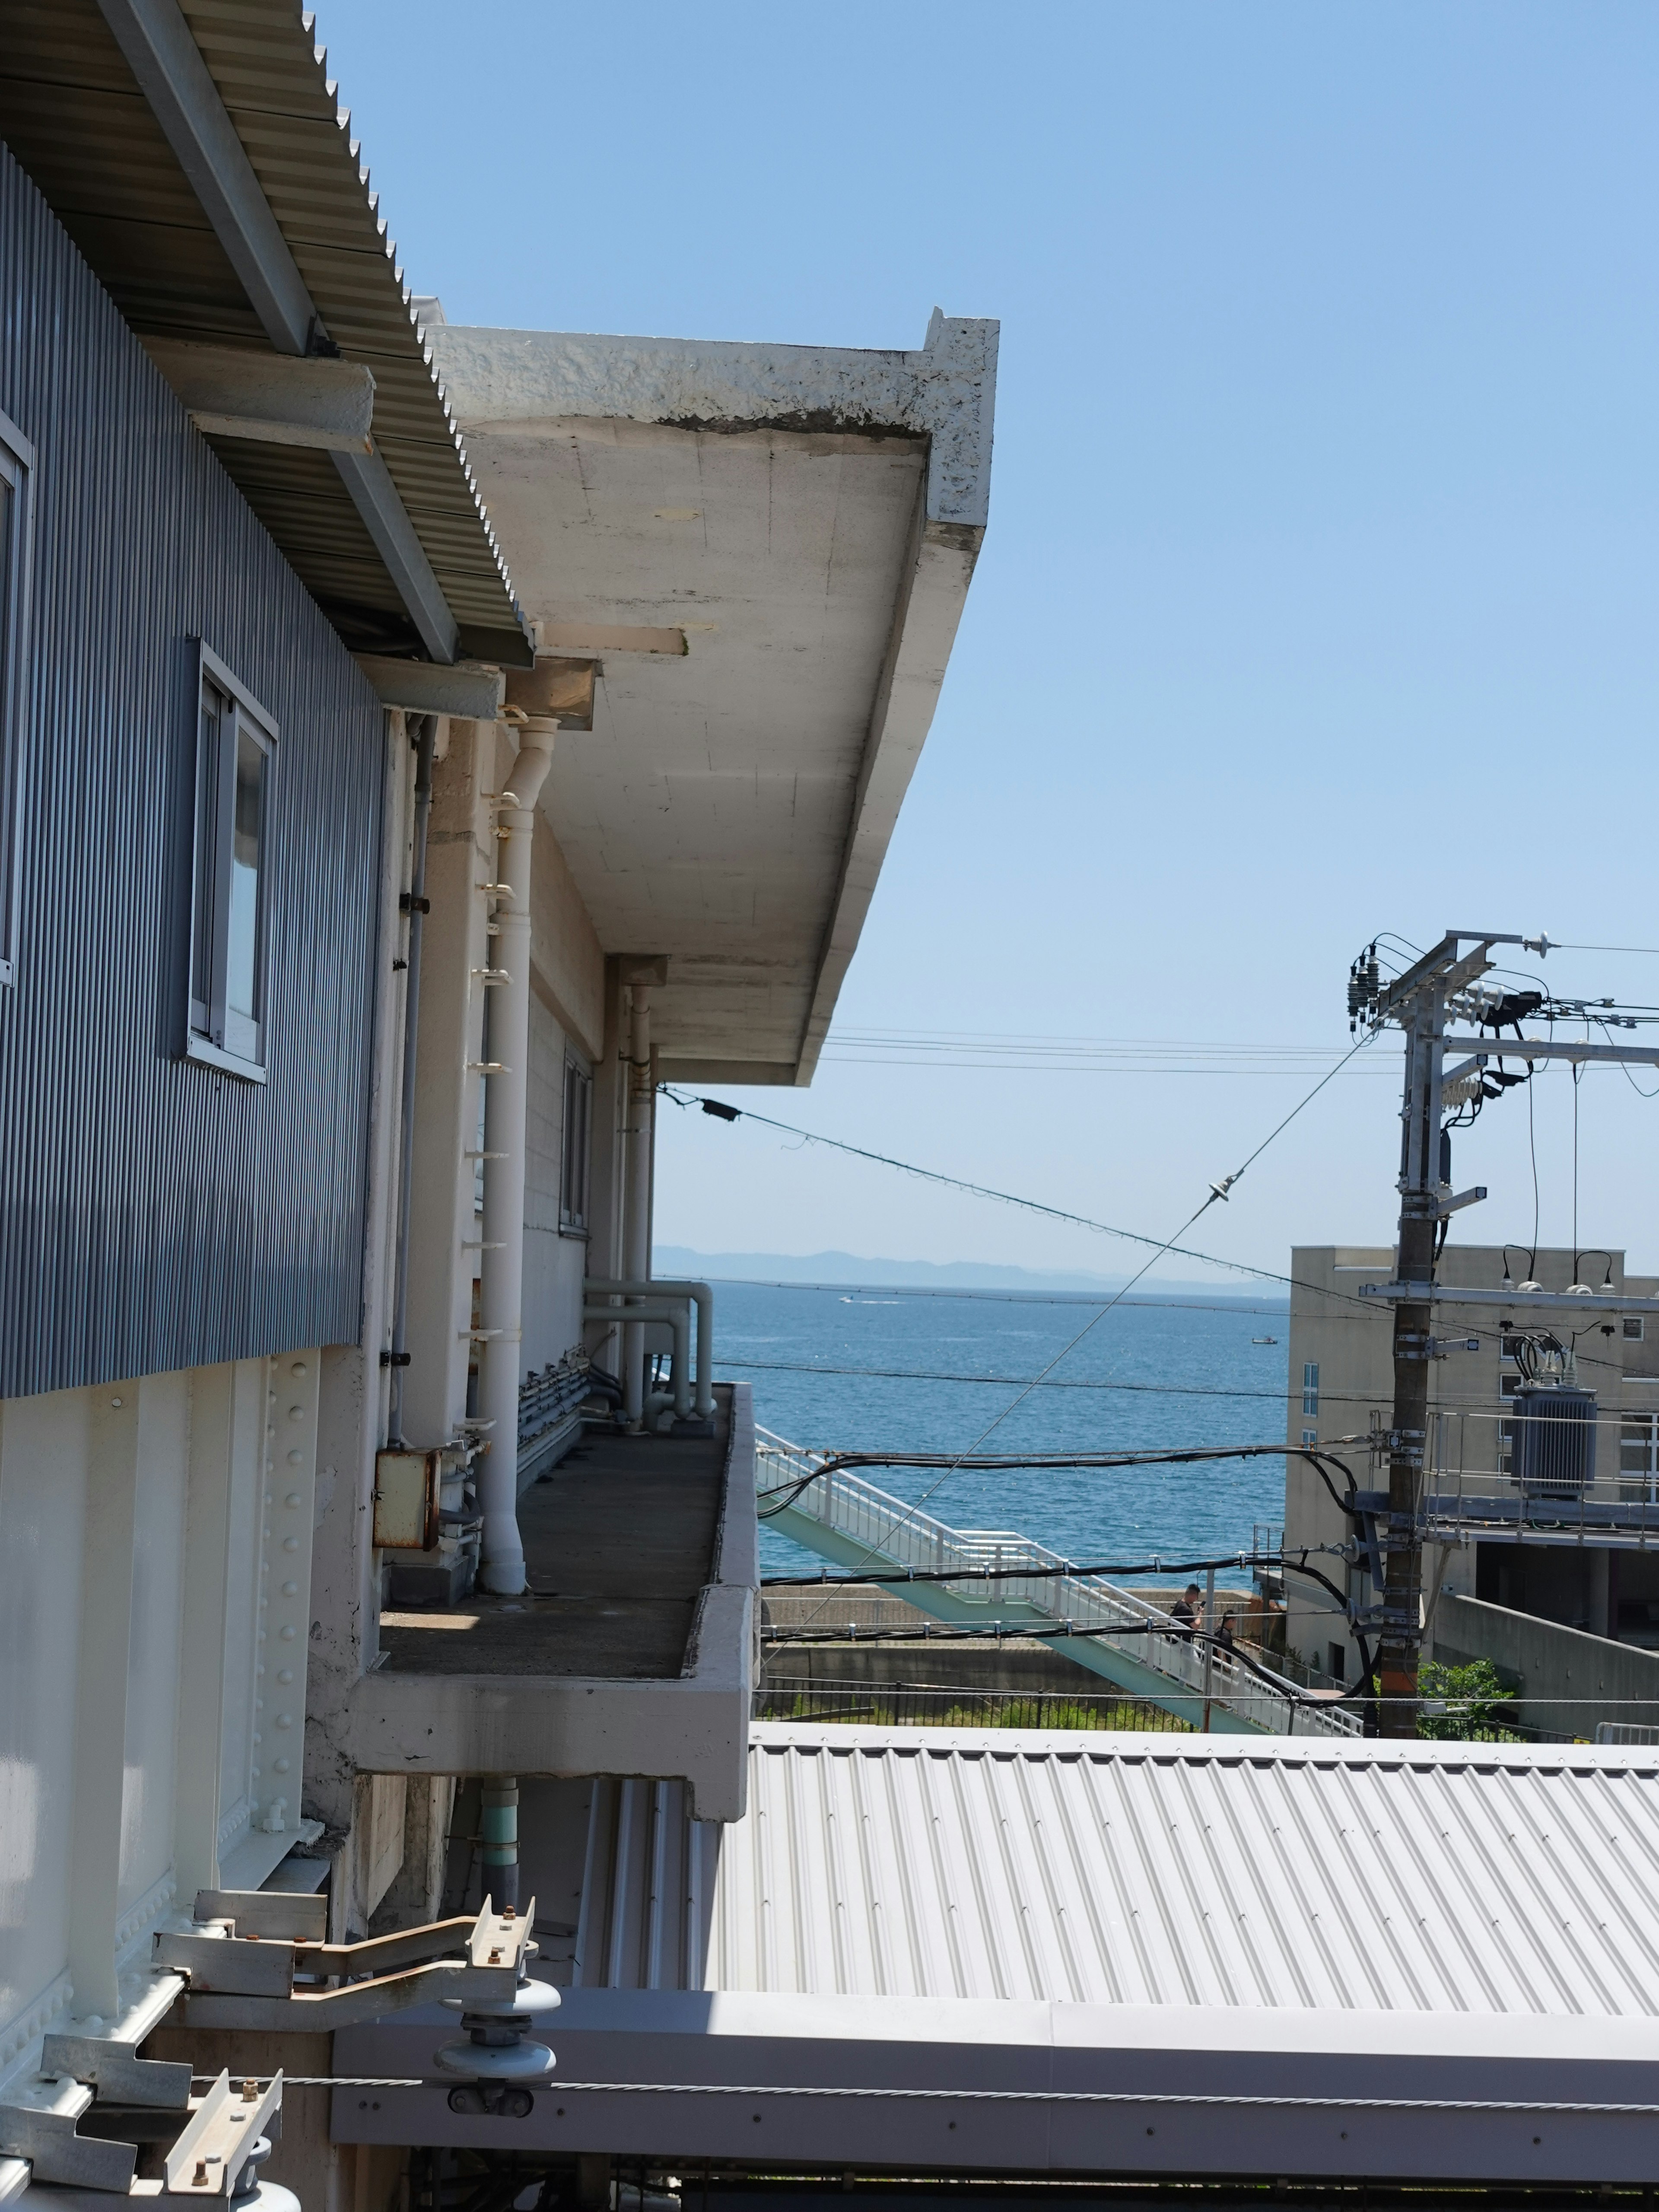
point(499, 1849)
point(415, 902)
point(501, 1561)
point(636, 1242)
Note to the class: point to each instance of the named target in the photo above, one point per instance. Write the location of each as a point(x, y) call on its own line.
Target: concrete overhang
point(764, 552)
point(691, 1728)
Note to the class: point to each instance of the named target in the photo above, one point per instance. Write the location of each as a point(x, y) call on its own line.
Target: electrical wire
point(1027, 1573)
point(724, 1111)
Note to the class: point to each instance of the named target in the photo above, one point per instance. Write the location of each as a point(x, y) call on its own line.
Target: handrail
point(902, 1535)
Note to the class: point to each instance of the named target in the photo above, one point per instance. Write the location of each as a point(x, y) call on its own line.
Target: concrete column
point(507, 1079)
point(443, 1235)
point(607, 1164)
point(100, 1695)
point(206, 1620)
point(637, 1220)
point(345, 1608)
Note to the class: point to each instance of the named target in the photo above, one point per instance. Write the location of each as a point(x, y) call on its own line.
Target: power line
point(890, 1292)
point(1442, 1403)
point(1028, 1573)
point(725, 1112)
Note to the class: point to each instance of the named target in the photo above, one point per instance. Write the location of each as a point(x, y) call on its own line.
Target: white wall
point(154, 1567)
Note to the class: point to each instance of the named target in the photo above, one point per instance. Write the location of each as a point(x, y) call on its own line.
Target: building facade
point(1342, 1389)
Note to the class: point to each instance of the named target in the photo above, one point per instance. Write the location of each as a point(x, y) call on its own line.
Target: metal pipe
point(499, 1841)
point(676, 1312)
point(659, 1286)
point(500, 1568)
point(636, 1227)
point(425, 742)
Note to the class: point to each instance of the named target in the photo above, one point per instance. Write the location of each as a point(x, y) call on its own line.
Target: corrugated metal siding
point(1120, 1870)
point(156, 1214)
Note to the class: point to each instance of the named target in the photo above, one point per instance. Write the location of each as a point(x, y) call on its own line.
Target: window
point(573, 1164)
point(1337, 1661)
point(1310, 1436)
point(1638, 1458)
point(1310, 1387)
point(236, 765)
point(16, 494)
point(1634, 1326)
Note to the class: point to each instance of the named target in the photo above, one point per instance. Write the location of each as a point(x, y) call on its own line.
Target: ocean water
point(1185, 1369)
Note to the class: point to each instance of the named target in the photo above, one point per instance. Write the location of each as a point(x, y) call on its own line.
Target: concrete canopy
point(766, 550)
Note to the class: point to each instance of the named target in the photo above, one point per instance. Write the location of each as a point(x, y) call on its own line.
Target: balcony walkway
point(619, 1540)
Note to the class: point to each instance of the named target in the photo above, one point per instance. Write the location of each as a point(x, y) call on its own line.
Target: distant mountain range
point(847, 1268)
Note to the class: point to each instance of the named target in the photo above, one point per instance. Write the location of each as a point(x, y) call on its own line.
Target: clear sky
point(1319, 592)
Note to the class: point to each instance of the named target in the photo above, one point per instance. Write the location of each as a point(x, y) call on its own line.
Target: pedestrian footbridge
point(1113, 1631)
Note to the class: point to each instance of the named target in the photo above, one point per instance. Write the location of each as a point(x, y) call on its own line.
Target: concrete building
point(1595, 1580)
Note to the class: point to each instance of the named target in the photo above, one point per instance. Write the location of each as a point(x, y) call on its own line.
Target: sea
point(887, 1369)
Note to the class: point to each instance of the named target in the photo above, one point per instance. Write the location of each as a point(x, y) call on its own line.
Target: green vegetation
point(1464, 1704)
point(903, 1708)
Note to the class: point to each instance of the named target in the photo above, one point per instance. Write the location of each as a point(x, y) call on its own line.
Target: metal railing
point(893, 1533)
point(1471, 1487)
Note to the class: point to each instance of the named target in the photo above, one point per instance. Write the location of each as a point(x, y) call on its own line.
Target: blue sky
point(1318, 597)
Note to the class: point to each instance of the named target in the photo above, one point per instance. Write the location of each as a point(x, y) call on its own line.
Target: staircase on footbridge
point(1112, 1632)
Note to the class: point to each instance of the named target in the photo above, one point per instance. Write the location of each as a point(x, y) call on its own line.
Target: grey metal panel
point(1130, 1871)
point(156, 1214)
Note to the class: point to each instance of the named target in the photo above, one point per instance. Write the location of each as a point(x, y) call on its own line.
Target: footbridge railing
point(1114, 1631)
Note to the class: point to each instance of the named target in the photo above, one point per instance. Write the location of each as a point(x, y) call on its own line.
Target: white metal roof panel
point(1142, 1871)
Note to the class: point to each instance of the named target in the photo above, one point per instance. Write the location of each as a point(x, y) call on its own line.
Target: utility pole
point(1422, 1195)
point(1420, 1002)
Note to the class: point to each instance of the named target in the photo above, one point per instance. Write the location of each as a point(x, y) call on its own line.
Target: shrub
point(1472, 1703)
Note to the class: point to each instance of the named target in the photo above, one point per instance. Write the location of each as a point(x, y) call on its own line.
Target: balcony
point(629, 1653)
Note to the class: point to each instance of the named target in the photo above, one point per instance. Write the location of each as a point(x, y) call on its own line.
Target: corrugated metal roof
point(72, 114)
point(1142, 1870)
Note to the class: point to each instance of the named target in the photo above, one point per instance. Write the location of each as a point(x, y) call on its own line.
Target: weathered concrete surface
point(1569, 1680)
point(800, 525)
point(945, 391)
point(642, 1663)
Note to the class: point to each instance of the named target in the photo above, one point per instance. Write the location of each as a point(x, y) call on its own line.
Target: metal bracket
point(117, 2072)
point(45, 2133)
point(242, 1965)
point(1464, 1198)
point(212, 2155)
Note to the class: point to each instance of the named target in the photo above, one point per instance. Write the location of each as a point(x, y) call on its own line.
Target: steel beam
point(1447, 1294)
point(177, 83)
point(1633, 1056)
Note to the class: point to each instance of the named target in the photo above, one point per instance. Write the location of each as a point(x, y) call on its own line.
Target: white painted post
point(1209, 1647)
point(637, 1222)
point(202, 1653)
point(502, 1568)
point(101, 1696)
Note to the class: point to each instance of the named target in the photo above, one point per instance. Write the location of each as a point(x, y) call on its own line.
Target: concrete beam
point(422, 686)
point(275, 398)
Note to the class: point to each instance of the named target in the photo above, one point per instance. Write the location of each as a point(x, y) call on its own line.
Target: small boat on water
point(1264, 1339)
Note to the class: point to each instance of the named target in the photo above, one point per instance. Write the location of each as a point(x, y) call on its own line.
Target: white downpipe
point(506, 1101)
point(660, 1288)
point(636, 1227)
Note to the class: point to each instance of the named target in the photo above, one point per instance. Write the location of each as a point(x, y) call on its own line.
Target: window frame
point(18, 466)
point(209, 1037)
point(578, 1083)
point(1311, 1386)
